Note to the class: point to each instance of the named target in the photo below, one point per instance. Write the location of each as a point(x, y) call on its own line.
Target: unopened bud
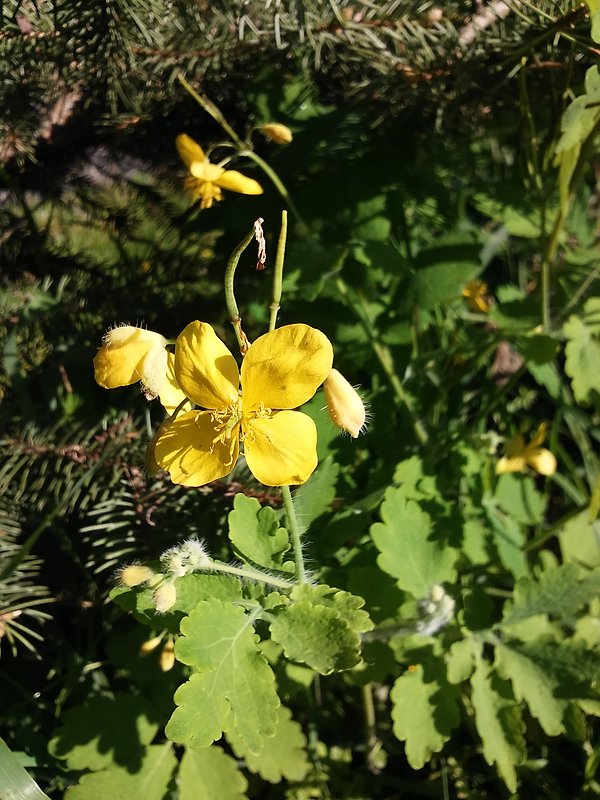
point(134, 575)
point(344, 404)
point(165, 597)
point(166, 659)
point(150, 644)
point(278, 133)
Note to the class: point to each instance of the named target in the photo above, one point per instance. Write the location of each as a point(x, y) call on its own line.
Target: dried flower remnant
point(206, 180)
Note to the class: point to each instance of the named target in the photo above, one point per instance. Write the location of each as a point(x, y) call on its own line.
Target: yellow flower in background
point(206, 179)
point(130, 354)
point(344, 404)
point(278, 133)
point(519, 455)
point(280, 371)
point(475, 295)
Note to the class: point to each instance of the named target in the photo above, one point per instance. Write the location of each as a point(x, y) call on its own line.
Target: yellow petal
point(285, 367)
point(120, 360)
point(542, 460)
point(344, 404)
point(510, 464)
point(205, 171)
point(282, 449)
point(170, 392)
point(236, 182)
point(188, 451)
point(189, 151)
point(204, 368)
point(154, 371)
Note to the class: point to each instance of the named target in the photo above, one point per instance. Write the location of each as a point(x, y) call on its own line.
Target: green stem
point(387, 362)
point(278, 276)
point(275, 180)
point(295, 533)
point(211, 109)
point(250, 574)
point(232, 307)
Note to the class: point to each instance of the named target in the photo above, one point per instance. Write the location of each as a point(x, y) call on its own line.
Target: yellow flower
point(278, 133)
point(475, 295)
point(344, 404)
point(129, 354)
point(520, 455)
point(280, 371)
point(206, 180)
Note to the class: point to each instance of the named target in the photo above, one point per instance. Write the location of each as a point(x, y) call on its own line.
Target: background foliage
point(432, 146)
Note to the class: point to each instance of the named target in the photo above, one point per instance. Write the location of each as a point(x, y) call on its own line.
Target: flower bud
point(165, 597)
point(344, 404)
point(166, 659)
point(134, 575)
point(278, 133)
point(150, 644)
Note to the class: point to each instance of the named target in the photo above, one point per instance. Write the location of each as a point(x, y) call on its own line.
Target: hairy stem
point(295, 533)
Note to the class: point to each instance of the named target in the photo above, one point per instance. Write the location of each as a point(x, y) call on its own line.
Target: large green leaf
point(15, 782)
point(408, 550)
point(233, 685)
point(210, 774)
point(285, 755)
point(148, 782)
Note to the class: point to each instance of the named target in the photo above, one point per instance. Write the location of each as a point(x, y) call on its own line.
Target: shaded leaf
point(210, 774)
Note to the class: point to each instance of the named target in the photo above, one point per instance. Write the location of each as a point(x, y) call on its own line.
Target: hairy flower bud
point(166, 659)
point(344, 404)
point(134, 575)
point(278, 133)
point(165, 597)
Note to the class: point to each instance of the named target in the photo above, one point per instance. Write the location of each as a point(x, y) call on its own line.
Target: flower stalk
point(295, 534)
point(278, 274)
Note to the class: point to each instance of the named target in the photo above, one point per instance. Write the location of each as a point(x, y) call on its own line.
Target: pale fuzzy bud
point(165, 597)
point(166, 659)
point(150, 644)
point(344, 404)
point(278, 133)
point(134, 575)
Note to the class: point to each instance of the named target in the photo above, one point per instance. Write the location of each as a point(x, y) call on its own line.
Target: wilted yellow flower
point(475, 295)
point(129, 354)
point(280, 371)
point(278, 133)
point(206, 179)
point(344, 404)
point(520, 455)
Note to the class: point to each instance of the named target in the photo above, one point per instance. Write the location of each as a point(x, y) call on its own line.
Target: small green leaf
point(580, 540)
point(255, 533)
point(283, 757)
point(407, 548)
point(315, 497)
point(582, 356)
point(461, 659)
point(498, 721)
point(210, 774)
point(425, 710)
point(509, 539)
point(517, 496)
point(233, 685)
point(560, 592)
point(532, 683)
point(148, 782)
point(104, 731)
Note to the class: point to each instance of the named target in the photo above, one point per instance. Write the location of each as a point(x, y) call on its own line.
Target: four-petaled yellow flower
point(520, 455)
point(129, 354)
point(206, 179)
point(280, 371)
point(475, 295)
